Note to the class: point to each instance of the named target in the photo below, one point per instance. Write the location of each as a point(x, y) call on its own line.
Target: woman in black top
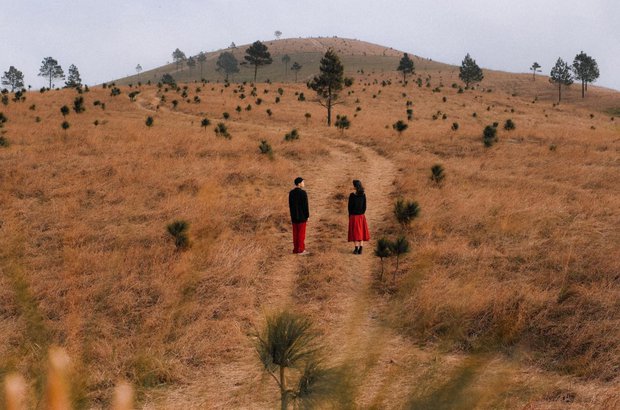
point(358, 227)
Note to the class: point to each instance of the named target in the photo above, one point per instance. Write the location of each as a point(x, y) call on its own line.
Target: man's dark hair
point(298, 180)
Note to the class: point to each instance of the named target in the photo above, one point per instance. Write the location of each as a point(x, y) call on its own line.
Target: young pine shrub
point(265, 148)
point(399, 247)
point(455, 126)
point(64, 110)
point(489, 136)
point(382, 251)
point(437, 174)
point(342, 123)
point(509, 125)
point(226, 115)
point(3, 119)
point(405, 212)
point(289, 351)
point(409, 114)
point(269, 112)
point(78, 105)
point(149, 121)
point(65, 126)
point(178, 230)
point(307, 116)
point(222, 131)
point(291, 136)
point(400, 126)
point(205, 123)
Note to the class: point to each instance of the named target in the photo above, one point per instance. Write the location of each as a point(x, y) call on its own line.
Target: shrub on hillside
point(489, 136)
point(149, 121)
point(291, 136)
point(265, 148)
point(178, 230)
point(437, 174)
point(406, 212)
point(509, 125)
point(400, 126)
point(205, 123)
point(222, 131)
point(342, 123)
point(455, 126)
point(78, 105)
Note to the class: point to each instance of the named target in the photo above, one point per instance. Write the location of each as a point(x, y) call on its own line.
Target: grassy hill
point(508, 298)
point(355, 55)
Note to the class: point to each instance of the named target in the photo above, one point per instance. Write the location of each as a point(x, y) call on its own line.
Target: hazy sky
point(106, 39)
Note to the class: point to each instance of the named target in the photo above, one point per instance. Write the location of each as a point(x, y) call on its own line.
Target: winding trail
point(357, 336)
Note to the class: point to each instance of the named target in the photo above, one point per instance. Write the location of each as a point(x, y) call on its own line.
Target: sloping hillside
point(355, 55)
point(508, 297)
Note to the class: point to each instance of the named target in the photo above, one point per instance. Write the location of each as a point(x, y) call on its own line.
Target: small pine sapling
point(406, 212)
point(399, 247)
point(178, 230)
point(400, 126)
point(382, 251)
point(489, 136)
point(437, 174)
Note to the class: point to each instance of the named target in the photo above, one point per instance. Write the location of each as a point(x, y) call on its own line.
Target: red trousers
point(299, 237)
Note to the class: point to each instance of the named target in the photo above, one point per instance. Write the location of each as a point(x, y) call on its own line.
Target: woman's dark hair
point(359, 188)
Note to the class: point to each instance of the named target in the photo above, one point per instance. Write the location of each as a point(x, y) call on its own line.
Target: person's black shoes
point(359, 252)
point(356, 251)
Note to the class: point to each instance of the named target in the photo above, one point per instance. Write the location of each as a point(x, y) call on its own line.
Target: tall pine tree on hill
point(406, 66)
point(257, 55)
point(227, 63)
point(51, 70)
point(329, 83)
point(73, 80)
point(13, 78)
point(561, 75)
point(586, 70)
point(469, 71)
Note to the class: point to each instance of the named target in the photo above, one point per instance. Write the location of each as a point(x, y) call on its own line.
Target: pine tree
point(469, 71)
point(286, 59)
point(288, 347)
point(296, 67)
point(202, 59)
point(535, 69)
point(191, 63)
point(406, 66)
point(586, 70)
point(13, 78)
point(73, 80)
point(51, 70)
point(561, 75)
point(178, 56)
point(257, 55)
point(227, 63)
point(329, 83)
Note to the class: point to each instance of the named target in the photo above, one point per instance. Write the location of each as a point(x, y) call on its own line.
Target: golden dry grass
point(513, 274)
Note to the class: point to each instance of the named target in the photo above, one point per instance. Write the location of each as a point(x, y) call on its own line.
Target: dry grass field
point(509, 298)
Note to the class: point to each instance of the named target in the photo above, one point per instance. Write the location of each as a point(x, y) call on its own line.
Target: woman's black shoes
point(358, 250)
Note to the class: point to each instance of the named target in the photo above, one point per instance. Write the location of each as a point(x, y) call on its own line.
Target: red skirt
point(358, 228)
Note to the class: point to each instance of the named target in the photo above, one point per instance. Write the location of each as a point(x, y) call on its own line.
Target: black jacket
point(357, 204)
point(298, 205)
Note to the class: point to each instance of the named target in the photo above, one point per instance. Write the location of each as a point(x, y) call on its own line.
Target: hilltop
point(355, 54)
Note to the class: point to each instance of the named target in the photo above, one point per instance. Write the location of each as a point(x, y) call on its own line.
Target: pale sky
point(106, 39)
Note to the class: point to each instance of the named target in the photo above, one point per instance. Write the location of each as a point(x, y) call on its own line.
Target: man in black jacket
point(298, 205)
